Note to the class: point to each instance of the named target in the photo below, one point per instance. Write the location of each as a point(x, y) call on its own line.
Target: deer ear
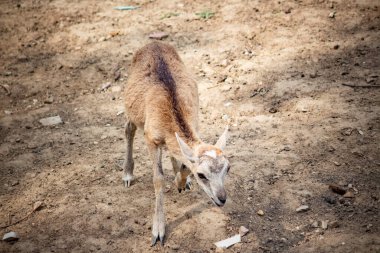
point(221, 143)
point(187, 152)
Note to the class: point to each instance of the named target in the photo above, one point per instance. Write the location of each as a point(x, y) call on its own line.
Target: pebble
point(119, 113)
point(332, 14)
point(336, 47)
point(337, 189)
point(158, 35)
point(243, 231)
point(175, 247)
point(333, 224)
point(260, 212)
point(51, 121)
point(324, 224)
point(303, 208)
point(105, 86)
point(38, 205)
point(101, 39)
point(314, 224)
point(11, 237)
point(349, 194)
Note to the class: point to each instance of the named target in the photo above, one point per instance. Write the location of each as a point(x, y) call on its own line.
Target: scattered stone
point(175, 247)
point(336, 163)
point(38, 205)
point(222, 78)
point(288, 11)
point(347, 131)
point(243, 231)
point(303, 208)
point(313, 74)
point(225, 117)
point(315, 224)
point(273, 110)
point(336, 47)
point(226, 88)
point(349, 194)
point(51, 121)
point(119, 113)
point(7, 112)
point(332, 14)
point(337, 189)
point(101, 39)
point(158, 35)
point(260, 212)
point(11, 237)
point(324, 224)
point(14, 182)
point(333, 224)
point(49, 100)
point(360, 132)
point(105, 86)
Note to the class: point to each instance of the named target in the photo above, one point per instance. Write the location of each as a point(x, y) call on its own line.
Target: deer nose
point(222, 196)
point(222, 200)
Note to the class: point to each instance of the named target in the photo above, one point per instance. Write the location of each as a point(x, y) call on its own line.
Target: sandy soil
point(273, 69)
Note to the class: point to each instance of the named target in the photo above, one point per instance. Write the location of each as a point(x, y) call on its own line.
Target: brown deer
point(162, 99)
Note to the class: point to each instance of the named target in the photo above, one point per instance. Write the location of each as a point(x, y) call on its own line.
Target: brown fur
point(157, 105)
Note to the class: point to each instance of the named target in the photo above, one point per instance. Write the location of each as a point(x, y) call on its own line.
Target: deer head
point(209, 166)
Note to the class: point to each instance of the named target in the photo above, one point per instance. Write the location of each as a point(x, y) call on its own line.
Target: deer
point(161, 98)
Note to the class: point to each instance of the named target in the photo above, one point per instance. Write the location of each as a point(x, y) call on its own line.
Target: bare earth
point(273, 70)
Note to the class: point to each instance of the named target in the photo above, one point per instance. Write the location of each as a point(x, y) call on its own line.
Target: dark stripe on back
point(166, 79)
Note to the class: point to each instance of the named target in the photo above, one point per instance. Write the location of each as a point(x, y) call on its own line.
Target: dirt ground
point(273, 70)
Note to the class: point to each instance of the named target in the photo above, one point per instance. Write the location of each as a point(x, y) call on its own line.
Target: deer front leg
point(182, 179)
point(158, 228)
point(128, 165)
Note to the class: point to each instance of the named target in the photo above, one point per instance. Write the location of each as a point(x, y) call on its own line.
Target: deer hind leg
point(128, 165)
point(158, 228)
point(182, 175)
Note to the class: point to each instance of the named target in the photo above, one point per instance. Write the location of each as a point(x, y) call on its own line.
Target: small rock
point(14, 182)
point(333, 224)
point(346, 131)
point(49, 100)
point(105, 86)
point(314, 224)
point(337, 163)
point(226, 88)
point(324, 224)
point(349, 194)
point(303, 208)
point(337, 189)
point(102, 39)
point(336, 47)
point(8, 112)
point(11, 237)
point(38, 205)
point(119, 113)
point(332, 14)
point(313, 74)
point(273, 110)
point(175, 247)
point(158, 35)
point(222, 78)
point(51, 121)
point(243, 231)
point(225, 117)
point(260, 212)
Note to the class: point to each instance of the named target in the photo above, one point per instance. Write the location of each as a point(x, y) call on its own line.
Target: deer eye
point(202, 176)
